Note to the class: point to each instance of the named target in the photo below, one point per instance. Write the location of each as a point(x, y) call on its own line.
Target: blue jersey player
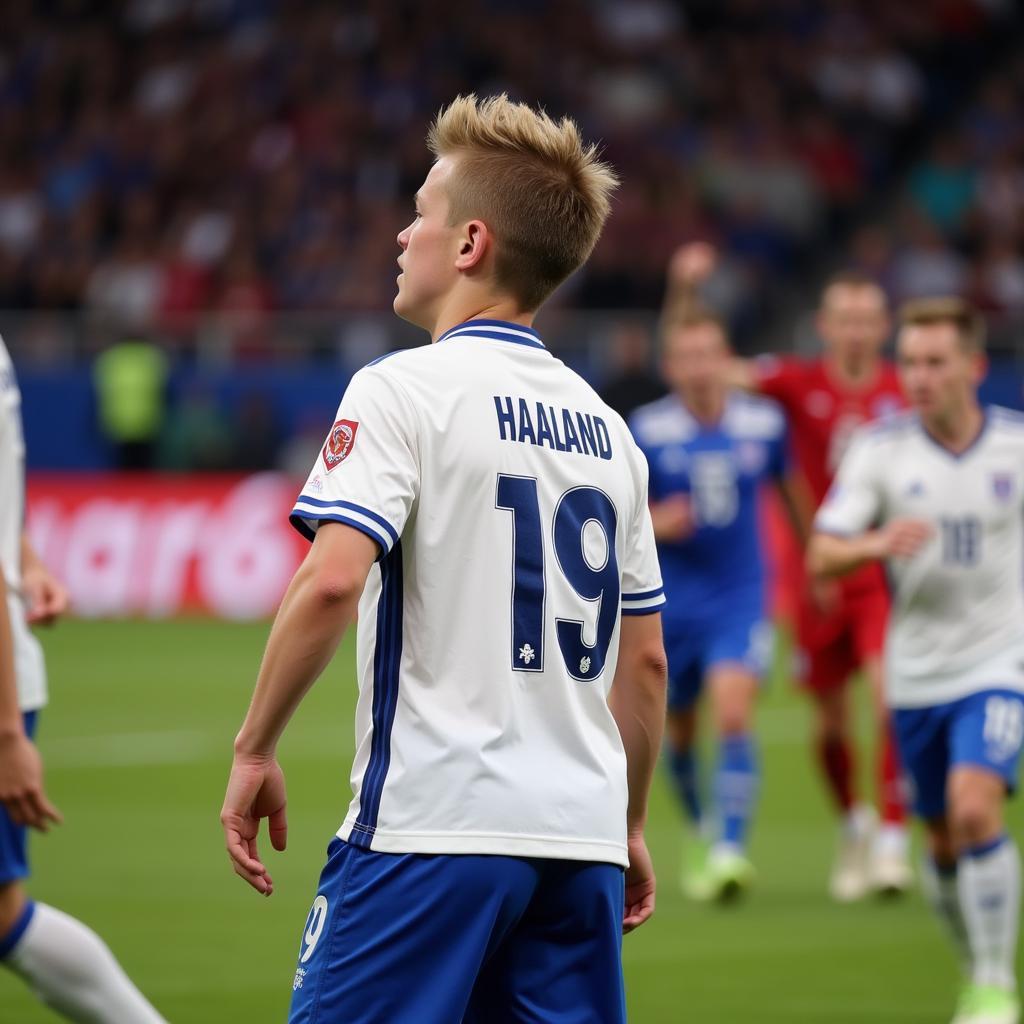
point(488, 513)
point(710, 452)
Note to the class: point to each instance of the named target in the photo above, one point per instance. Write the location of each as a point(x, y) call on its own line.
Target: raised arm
point(637, 701)
point(314, 614)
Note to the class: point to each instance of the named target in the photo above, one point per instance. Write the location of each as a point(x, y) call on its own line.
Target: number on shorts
point(314, 928)
point(1004, 725)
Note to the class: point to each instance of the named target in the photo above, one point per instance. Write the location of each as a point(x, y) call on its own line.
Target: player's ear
point(473, 245)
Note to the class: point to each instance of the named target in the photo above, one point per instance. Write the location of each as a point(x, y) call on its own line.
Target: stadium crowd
point(159, 159)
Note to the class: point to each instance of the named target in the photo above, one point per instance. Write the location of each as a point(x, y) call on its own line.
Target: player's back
point(512, 504)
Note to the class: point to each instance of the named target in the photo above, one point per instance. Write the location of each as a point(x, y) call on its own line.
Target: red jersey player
point(840, 630)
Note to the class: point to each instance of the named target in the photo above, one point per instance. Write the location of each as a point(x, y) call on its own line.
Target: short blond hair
point(952, 310)
point(542, 191)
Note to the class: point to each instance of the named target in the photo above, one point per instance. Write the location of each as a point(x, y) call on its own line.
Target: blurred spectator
point(131, 381)
point(253, 156)
point(944, 185)
point(199, 435)
point(633, 381)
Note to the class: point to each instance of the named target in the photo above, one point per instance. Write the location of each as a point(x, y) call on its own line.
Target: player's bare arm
point(314, 614)
point(46, 596)
point(829, 555)
point(637, 701)
point(21, 767)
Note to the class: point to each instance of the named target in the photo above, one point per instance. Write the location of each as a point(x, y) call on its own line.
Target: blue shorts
point(694, 648)
point(14, 838)
point(983, 729)
point(438, 939)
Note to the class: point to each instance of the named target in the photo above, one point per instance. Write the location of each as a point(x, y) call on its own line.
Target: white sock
point(990, 901)
point(71, 969)
point(942, 890)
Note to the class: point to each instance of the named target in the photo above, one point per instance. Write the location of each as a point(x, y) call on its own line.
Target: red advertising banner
point(159, 545)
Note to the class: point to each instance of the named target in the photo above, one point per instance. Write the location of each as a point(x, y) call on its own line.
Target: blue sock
point(683, 764)
point(736, 785)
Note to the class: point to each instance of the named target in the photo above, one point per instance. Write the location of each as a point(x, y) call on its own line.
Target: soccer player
point(65, 963)
point(710, 452)
point(840, 627)
point(488, 513)
point(939, 494)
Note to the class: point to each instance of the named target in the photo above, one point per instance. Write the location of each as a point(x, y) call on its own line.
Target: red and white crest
point(339, 443)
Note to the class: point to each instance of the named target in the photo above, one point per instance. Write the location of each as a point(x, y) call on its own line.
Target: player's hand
point(673, 518)
point(692, 264)
point(255, 790)
point(640, 886)
point(21, 783)
point(904, 538)
point(46, 595)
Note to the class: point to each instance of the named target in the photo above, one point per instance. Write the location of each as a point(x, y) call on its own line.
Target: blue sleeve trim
point(297, 520)
point(642, 611)
point(645, 595)
point(352, 507)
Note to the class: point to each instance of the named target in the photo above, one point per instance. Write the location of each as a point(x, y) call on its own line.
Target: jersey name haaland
point(564, 430)
point(513, 535)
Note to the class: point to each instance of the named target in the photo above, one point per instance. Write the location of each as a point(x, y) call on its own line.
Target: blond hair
point(959, 313)
point(533, 181)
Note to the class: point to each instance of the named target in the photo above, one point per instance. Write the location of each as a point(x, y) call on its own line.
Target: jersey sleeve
point(367, 474)
point(779, 378)
point(642, 590)
point(854, 501)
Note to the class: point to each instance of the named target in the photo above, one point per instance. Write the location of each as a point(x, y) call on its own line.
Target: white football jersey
point(29, 668)
point(957, 622)
point(510, 507)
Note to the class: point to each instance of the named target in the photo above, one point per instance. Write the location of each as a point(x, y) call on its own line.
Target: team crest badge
point(1002, 485)
point(339, 443)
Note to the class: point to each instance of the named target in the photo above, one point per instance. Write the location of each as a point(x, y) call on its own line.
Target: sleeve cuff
point(643, 602)
point(309, 512)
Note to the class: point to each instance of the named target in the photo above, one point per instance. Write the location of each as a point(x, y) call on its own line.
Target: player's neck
point(960, 430)
point(852, 373)
point(707, 409)
point(460, 310)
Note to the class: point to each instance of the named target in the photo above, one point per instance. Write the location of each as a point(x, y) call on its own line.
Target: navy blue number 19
point(579, 510)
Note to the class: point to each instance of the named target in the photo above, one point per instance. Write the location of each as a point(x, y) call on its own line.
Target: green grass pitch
point(137, 743)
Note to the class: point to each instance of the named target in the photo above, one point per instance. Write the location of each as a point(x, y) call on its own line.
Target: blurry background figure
point(632, 380)
point(199, 434)
point(710, 451)
point(130, 379)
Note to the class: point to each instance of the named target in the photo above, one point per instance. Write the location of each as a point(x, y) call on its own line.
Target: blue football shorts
point(694, 647)
point(984, 729)
point(438, 939)
point(14, 838)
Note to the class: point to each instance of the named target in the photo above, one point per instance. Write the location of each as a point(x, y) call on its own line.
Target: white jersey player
point(939, 494)
point(511, 670)
point(65, 963)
